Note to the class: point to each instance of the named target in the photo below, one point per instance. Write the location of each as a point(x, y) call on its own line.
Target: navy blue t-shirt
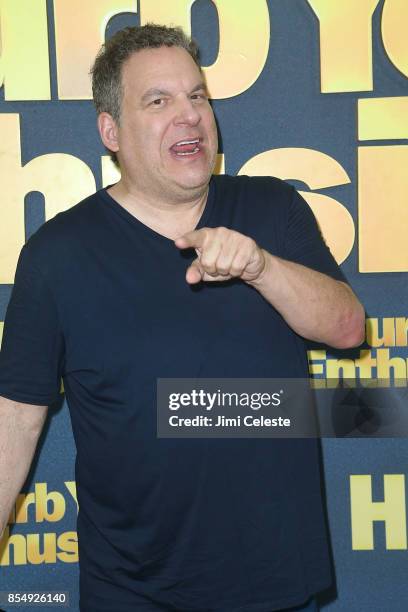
point(203, 525)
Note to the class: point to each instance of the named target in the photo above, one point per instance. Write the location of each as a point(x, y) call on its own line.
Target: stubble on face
point(164, 105)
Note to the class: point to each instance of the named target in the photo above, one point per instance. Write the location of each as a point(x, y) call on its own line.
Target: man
point(173, 273)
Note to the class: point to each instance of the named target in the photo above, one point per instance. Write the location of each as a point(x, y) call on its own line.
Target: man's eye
point(198, 96)
point(158, 102)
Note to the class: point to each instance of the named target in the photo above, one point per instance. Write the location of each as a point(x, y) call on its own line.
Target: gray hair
point(107, 69)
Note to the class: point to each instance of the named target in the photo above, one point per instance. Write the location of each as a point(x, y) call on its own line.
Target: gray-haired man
point(173, 272)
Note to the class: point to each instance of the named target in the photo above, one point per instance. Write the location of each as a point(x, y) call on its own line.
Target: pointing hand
point(222, 254)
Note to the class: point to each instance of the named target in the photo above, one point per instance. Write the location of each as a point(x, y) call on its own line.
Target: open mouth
point(184, 148)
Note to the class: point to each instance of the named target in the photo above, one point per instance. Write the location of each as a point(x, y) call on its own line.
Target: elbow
point(351, 329)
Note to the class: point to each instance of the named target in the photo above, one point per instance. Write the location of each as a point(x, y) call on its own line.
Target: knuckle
point(223, 269)
point(208, 264)
point(236, 270)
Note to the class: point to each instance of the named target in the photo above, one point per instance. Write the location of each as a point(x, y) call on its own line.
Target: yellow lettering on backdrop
point(220, 164)
point(24, 65)
point(394, 33)
point(365, 363)
point(394, 331)
point(364, 512)
point(17, 543)
point(345, 44)
point(391, 368)
point(49, 554)
point(110, 171)
point(383, 118)
point(313, 356)
point(63, 179)
point(317, 170)
point(50, 505)
point(23, 502)
point(68, 543)
point(401, 331)
point(36, 548)
point(373, 334)
point(382, 209)
point(244, 40)
point(79, 32)
point(71, 486)
point(339, 368)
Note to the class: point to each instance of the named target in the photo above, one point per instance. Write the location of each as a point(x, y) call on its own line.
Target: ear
point(108, 131)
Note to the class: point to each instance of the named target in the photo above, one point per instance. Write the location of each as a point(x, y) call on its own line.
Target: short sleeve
point(304, 243)
point(32, 351)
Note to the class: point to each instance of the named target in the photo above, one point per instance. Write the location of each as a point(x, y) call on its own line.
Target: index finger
point(194, 239)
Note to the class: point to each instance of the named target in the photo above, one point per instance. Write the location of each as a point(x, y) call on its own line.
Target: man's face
point(167, 135)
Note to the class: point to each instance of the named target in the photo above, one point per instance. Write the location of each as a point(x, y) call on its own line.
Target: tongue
point(184, 148)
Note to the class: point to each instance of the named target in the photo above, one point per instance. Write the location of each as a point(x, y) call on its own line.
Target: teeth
point(190, 153)
point(184, 142)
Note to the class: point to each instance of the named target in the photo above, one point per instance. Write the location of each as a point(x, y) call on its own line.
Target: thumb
point(194, 272)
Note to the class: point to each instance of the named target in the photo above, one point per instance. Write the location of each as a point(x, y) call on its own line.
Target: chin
point(194, 180)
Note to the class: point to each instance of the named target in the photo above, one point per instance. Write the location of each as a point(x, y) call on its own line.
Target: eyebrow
point(154, 91)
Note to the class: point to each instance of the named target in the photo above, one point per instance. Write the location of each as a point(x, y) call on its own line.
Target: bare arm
point(20, 427)
point(313, 304)
point(316, 306)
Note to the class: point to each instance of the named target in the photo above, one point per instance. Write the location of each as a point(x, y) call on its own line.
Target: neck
point(169, 218)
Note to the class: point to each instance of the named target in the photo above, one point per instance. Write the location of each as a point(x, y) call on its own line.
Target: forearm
point(314, 305)
point(20, 427)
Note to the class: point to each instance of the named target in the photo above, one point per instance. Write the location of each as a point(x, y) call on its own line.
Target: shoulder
point(261, 193)
point(257, 206)
point(65, 226)
point(257, 198)
point(262, 185)
point(59, 236)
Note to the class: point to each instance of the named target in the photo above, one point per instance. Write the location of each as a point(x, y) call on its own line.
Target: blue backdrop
point(283, 108)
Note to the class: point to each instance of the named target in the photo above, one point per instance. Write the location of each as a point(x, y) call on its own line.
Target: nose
point(186, 111)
